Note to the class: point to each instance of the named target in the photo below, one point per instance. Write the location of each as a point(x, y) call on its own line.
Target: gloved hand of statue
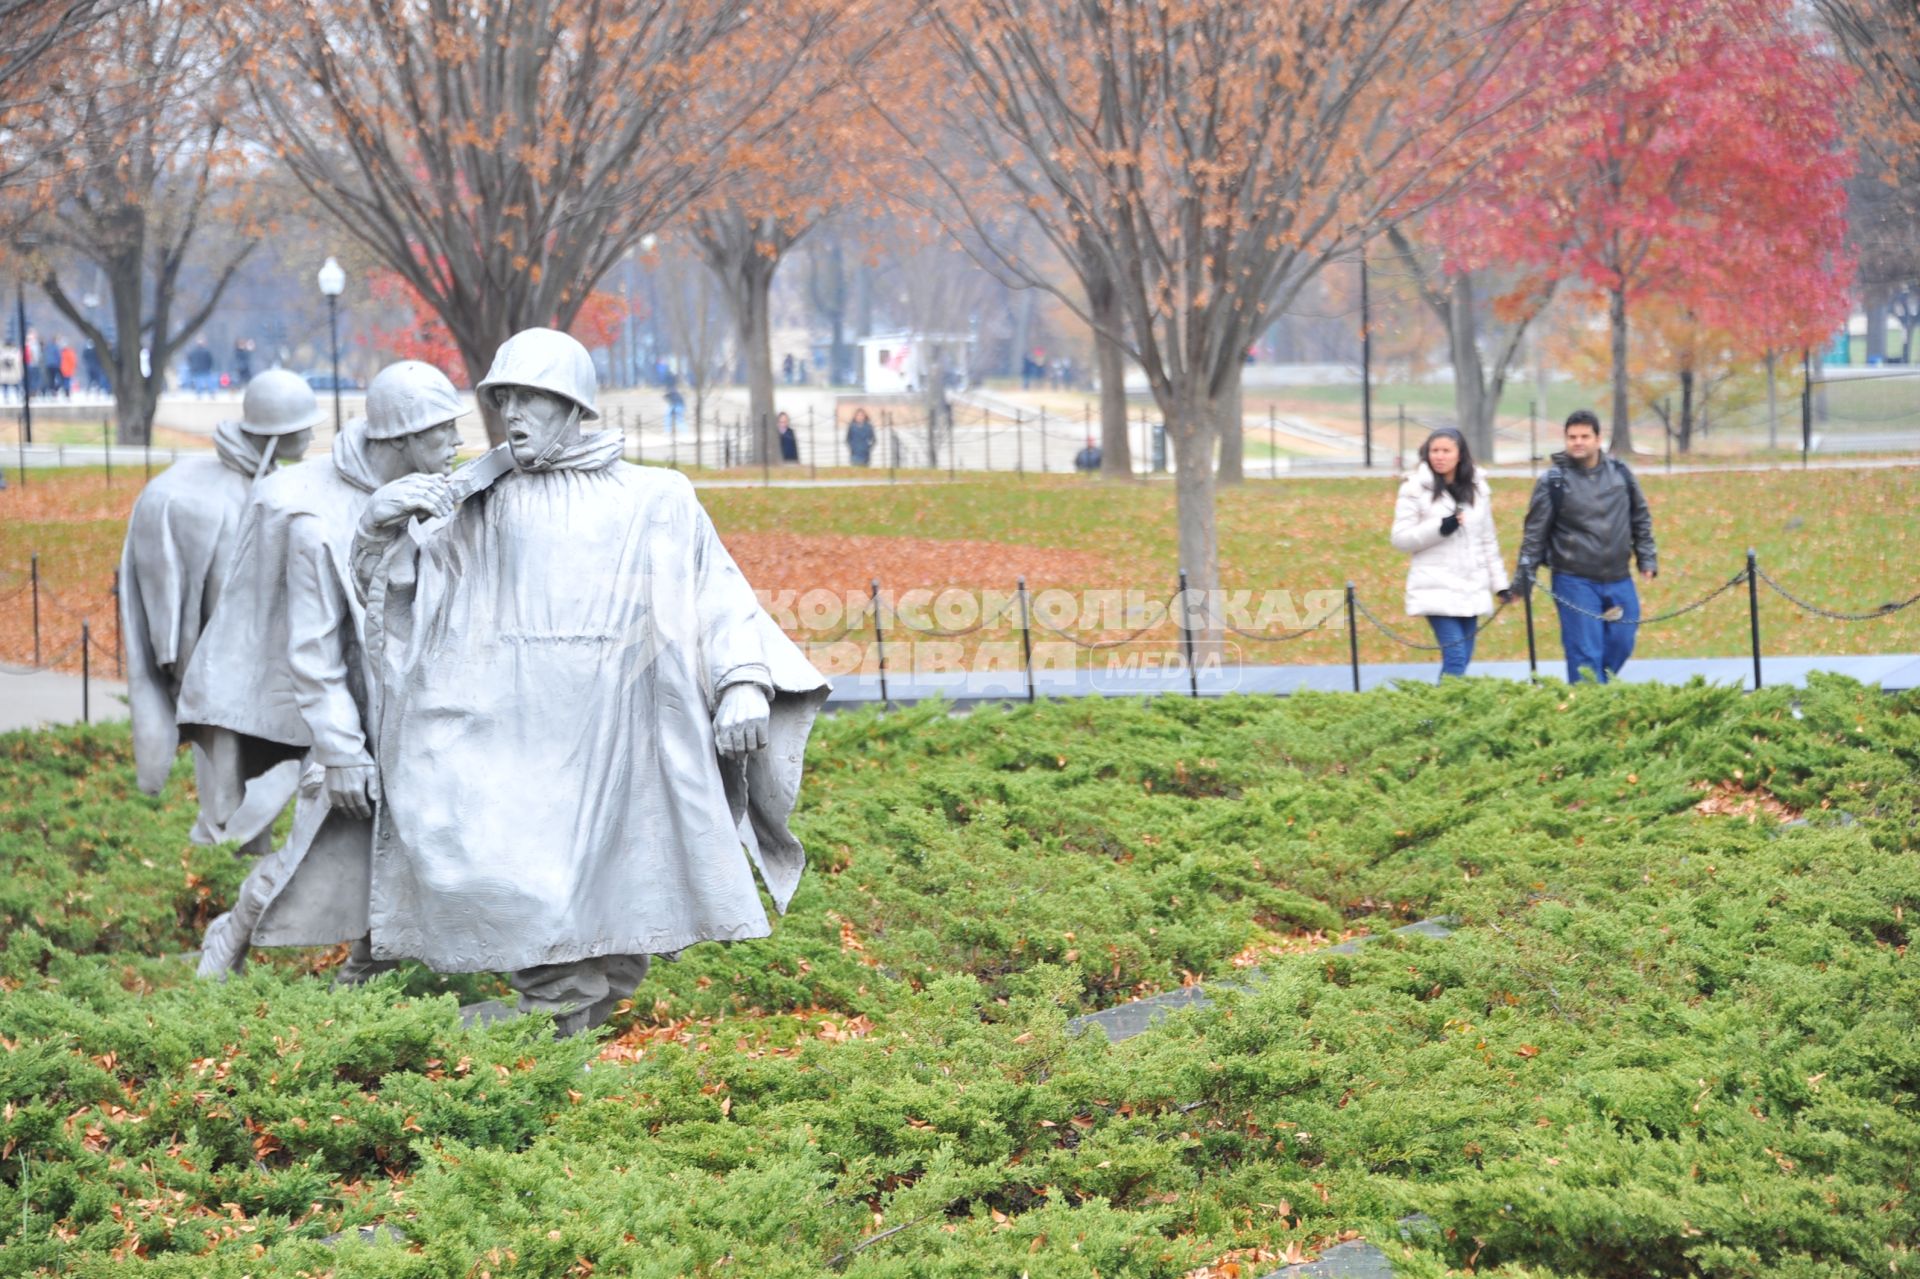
point(353, 789)
point(426, 496)
point(740, 725)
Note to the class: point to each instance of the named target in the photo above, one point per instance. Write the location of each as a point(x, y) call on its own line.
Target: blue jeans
point(1455, 636)
point(1591, 644)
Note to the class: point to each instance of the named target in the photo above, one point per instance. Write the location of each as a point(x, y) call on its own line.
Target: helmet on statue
point(279, 402)
point(544, 360)
point(409, 397)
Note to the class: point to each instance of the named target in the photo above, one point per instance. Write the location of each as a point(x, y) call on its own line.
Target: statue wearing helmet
point(589, 733)
point(281, 665)
point(172, 570)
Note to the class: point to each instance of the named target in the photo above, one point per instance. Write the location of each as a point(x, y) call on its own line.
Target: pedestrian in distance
point(1443, 519)
point(789, 442)
point(1587, 521)
point(860, 437)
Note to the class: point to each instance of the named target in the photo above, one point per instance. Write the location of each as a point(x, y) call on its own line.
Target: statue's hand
point(740, 725)
point(353, 789)
point(426, 496)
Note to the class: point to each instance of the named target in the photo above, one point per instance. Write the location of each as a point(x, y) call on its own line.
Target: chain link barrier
point(1394, 635)
point(1885, 610)
point(1285, 637)
point(935, 632)
point(1657, 618)
point(48, 664)
point(1166, 615)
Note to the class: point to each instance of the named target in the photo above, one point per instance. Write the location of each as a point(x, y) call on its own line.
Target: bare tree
point(1212, 156)
point(502, 156)
point(687, 300)
point(1464, 302)
point(137, 173)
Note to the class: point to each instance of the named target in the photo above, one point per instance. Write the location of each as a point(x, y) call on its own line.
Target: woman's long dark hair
point(1462, 486)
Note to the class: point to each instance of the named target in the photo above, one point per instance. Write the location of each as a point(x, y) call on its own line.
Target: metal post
point(106, 452)
point(119, 659)
point(767, 446)
point(1273, 444)
point(1353, 639)
point(86, 672)
point(879, 639)
point(1533, 661)
point(1533, 445)
point(1806, 405)
point(1026, 638)
point(1753, 612)
point(893, 451)
point(1669, 434)
point(813, 451)
point(1186, 637)
point(1366, 368)
point(1019, 444)
point(26, 377)
point(953, 463)
point(1043, 441)
point(333, 331)
point(33, 573)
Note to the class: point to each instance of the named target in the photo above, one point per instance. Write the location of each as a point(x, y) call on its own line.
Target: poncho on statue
point(547, 666)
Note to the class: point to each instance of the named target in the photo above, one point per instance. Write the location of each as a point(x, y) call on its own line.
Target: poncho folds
point(280, 660)
point(179, 542)
point(548, 663)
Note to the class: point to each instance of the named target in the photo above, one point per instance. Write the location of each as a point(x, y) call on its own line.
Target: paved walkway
point(33, 699)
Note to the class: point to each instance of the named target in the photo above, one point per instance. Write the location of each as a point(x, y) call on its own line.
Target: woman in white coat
point(1444, 520)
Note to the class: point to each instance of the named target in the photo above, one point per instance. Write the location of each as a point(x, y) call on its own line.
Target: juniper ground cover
point(1672, 1036)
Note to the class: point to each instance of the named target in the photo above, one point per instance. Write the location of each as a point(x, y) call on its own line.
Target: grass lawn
point(1845, 539)
point(1672, 1036)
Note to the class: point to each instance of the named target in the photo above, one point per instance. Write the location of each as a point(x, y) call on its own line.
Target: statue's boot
point(224, 949)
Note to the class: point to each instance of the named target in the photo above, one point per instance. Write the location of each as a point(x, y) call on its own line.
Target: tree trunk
point(1685, 436)
point(1622, 445)
point(754, 320)
point(1874, 301)
point(1773, 405)
point(1472, 412)
point(1230, 422)
point(1110, 362)
point(1193, 441)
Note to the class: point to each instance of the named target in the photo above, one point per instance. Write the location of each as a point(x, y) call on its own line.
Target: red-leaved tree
point(1693, 154)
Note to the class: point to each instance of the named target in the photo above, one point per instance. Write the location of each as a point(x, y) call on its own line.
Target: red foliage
point(1694, 154)
point(418, 332)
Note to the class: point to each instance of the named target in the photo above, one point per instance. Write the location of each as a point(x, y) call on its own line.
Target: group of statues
point(530, 716)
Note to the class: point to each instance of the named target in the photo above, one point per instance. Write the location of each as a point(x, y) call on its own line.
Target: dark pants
point(1455, 636)
point(1592, 644)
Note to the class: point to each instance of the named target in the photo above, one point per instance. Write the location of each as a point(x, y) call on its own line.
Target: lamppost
point(333, 282)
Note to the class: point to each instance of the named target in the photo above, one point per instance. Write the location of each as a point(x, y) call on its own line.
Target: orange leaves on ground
point(797, 561)
point(1730, 799)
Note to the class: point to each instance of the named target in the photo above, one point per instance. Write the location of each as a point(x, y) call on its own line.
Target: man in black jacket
point(1587, 518)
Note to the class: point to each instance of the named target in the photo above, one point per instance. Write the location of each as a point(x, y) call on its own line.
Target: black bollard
point(1753, 612)
point(1026, 638)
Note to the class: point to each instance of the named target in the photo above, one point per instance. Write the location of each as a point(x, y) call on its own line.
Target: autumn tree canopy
point(1691, 154)
point(133, 167)
point(501, 157)
point(1211, 157)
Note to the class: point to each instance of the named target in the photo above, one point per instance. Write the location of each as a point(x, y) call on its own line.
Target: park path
point(36, 699)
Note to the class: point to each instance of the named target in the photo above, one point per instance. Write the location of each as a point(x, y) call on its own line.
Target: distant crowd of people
point(51, 368)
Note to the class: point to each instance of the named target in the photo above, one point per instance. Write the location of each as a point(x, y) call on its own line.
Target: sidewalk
point(34, 699)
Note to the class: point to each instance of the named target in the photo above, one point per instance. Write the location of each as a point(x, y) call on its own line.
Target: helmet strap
point(269, 445)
